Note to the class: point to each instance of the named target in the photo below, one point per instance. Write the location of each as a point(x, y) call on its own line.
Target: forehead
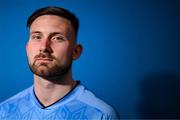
point(51, 21)
point(47, 24)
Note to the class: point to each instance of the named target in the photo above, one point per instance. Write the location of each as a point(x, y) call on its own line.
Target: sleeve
point(113, 115)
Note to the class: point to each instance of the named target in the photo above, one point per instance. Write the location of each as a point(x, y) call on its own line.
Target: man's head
point(52, 43)
point(61, 12)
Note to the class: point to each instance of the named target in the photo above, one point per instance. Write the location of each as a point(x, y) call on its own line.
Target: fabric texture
point(80, 103)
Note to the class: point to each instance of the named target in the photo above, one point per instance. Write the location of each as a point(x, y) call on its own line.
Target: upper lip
point(49, 59)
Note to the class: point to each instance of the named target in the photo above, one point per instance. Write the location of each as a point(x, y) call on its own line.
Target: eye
point(35, 37)
point(57, 38)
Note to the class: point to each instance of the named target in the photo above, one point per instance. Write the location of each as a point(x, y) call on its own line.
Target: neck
point(50, 91)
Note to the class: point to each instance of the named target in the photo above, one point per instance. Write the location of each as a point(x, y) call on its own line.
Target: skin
point(51, 50)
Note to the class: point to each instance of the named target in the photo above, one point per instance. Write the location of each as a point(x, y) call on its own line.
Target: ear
point(77, 51)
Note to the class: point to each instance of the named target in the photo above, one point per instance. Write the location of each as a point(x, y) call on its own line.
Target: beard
point(51, 70)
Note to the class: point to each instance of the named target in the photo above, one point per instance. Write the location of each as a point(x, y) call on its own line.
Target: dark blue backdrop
point(131, 56)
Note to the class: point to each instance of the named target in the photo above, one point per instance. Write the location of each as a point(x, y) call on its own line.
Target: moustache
point(44, 55)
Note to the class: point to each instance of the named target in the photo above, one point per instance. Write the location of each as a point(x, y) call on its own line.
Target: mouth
point(44, 60)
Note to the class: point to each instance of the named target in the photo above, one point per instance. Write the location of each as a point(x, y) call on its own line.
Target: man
point(51, 49)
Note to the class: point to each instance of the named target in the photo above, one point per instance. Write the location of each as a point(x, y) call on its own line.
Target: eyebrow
point(51, 34)
point(55, 33)
point(32, 32)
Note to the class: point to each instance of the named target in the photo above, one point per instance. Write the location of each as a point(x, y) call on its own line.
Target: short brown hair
point(58, 11)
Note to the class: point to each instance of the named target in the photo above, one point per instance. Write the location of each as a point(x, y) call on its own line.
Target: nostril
point(45, 47)
point(46, 50)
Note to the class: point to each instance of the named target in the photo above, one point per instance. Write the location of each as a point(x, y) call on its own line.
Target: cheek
point(64, 53)
point(70, 51)
point(30, 53)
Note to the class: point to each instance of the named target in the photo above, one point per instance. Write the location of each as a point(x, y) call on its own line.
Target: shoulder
point(90, 99)
point(18, 96)
point(11, 104)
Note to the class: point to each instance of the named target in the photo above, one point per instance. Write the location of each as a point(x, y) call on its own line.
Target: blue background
point(131, 56)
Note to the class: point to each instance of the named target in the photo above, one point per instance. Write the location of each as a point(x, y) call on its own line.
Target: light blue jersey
point(80, 103)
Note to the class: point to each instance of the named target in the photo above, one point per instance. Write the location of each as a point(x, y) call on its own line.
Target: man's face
point(50, 46)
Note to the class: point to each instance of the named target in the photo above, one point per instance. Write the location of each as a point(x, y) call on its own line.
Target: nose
point(45, 46)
